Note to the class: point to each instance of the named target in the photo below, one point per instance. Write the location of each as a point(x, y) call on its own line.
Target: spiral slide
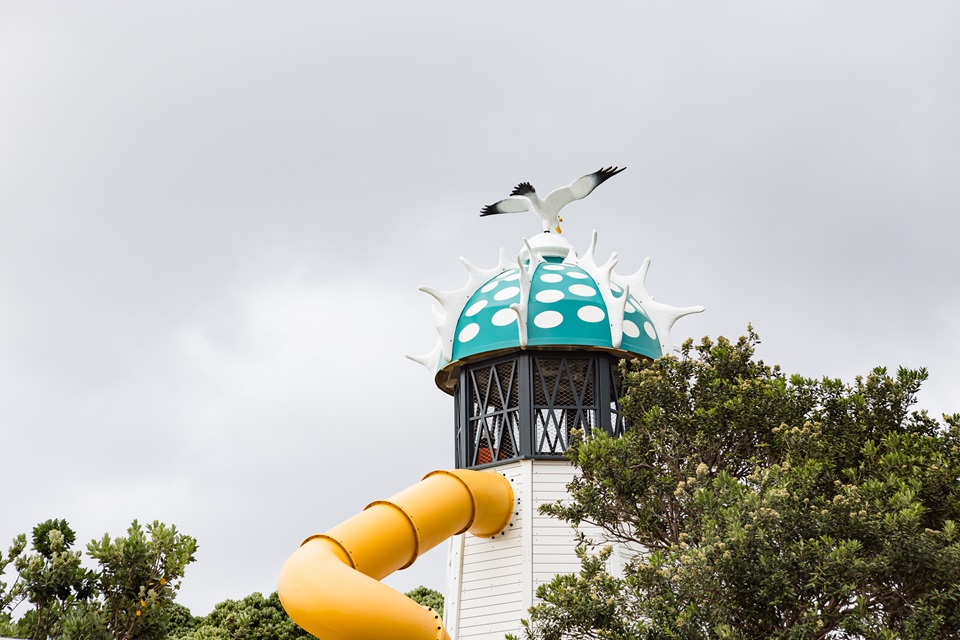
point(331, 585)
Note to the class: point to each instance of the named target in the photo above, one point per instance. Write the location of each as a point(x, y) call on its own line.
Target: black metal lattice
point(494, 428)
point(564, 400)
point(526, 405)
point(618, 423)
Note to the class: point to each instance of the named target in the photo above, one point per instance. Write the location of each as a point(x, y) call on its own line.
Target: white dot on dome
point(581, 290)
point(579, 275)
point(504, 317)
point(629, 308)
point(504, 294)
point(649, 329)
point(551, 277)
point(631, 329)
point(490, 286)
point(590, 313)
point(475, 308)
point(549, 295)
point(511, 278)
point(548, 319)
point(553, 267)
point(507, 273)
point(469, 332)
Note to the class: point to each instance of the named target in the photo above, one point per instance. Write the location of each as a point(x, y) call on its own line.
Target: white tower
point(529, 350)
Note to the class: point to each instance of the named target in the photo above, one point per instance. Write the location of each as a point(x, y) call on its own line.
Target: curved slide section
point(331, 585)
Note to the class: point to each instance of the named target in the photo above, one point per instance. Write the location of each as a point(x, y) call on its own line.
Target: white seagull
point(524, 198)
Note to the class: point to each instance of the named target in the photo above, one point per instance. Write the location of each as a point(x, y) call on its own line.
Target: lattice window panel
point(494, 414)
point(564, 399)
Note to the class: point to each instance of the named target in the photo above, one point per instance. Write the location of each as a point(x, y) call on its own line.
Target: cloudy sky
point(214, 217)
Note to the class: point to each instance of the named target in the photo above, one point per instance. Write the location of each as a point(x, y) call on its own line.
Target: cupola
point(529, 348)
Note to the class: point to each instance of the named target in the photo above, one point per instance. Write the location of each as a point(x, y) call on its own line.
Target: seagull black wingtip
point(606, 173)
point(522, 189)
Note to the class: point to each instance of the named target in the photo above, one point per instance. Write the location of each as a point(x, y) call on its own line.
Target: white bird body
point(524, 198)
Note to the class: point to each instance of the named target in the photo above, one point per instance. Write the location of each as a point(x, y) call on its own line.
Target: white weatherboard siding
point(554, 541)
point(492, 581)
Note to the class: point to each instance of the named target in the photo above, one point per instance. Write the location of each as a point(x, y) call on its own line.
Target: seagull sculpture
point(524, 198)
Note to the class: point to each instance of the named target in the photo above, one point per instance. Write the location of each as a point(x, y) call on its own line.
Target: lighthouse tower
point(529, 351)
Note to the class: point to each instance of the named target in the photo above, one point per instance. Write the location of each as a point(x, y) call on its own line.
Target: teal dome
point(555, 300)
point(565, 308)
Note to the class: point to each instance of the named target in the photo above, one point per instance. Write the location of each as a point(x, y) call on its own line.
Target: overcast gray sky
point(214, 217)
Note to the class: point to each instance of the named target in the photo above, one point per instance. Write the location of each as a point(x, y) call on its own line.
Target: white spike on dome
point(453, 302)
point(588, 255)
point(602, 274)
point(663, 316)
point(521, 308)
point(430, 360)
point(637, 281)
point(616, 314)
point(533, 257)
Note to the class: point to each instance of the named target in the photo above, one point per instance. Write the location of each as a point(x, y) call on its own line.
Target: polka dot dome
point(547, 297)
point(565, 308)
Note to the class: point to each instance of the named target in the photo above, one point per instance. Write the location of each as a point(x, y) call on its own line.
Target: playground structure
point(529, 350)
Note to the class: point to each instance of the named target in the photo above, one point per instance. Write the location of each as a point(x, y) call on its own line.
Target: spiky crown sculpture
point(548, 298)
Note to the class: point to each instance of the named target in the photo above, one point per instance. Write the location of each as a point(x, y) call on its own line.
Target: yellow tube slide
point(330, 585)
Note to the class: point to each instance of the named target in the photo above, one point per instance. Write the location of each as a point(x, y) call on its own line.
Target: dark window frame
point(523, 405)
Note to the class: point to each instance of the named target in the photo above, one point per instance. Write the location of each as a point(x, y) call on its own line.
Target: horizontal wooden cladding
point(541, 521)
point(482, 555)
point(498, 572)
point(553, 467)
point(506, 583)
point(503, 565)
point(554, 550)
point(507, 599)
point(565, 562)
point(487, 617)
point(552, 534)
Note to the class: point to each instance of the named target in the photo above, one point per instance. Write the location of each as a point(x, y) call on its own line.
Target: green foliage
point(258, 618)
point(129, 596)
point(51, 579)
point(51, 536)
point(427, 597)
point(139, 577)
point(252, 618)
point(10, 595)
point(767, 506)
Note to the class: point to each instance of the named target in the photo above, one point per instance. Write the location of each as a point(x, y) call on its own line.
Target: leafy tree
point(427, 597)
point(251, 618)
point(10, 595)
point(129, 595)
point(51, 579)
point(139, 577)
point(763, 506)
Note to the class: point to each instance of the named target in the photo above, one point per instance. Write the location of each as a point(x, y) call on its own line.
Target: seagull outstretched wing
point(513, 204)
point(579, 188)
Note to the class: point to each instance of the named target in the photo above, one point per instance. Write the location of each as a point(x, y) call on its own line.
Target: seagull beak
point(558, 230)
